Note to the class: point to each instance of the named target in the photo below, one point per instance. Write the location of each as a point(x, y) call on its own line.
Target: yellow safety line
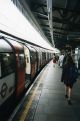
point(28, 105)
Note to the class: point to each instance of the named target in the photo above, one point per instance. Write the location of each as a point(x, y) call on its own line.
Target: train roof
point(30, 47)
point(15, 43)
point(4, 46)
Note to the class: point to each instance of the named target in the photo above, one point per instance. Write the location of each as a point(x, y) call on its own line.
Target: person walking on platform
point(61, 57)
point(69, 76)
point(54, 59)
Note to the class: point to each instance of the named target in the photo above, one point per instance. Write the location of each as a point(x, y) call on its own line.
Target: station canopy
point(58, 20)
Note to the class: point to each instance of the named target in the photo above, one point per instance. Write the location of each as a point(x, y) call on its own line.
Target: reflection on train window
point(33, 57)
point(21, 60)
point(7, 63)
point(44, 55)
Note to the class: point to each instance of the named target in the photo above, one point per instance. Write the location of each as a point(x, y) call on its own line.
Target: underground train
point(19, 64)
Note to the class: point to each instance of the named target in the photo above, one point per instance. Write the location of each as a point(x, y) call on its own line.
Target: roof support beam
point(57, 20)
point(65, 9)
point(41, 14)
point(49, 8)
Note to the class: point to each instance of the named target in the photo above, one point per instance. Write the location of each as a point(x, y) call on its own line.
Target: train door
point(43, 57)
point(38, 59)
point(20, 67)
point(33, 60)
point(28, 65)
point(20, 71)
point(40, 52)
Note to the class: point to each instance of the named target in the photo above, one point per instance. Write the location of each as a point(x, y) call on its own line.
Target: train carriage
point(20, 62)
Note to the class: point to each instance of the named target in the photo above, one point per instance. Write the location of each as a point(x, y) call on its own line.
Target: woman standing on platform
point(69, 76)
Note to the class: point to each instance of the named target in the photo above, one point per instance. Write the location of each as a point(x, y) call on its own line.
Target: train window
point(33, 57)
point(21, 60)
point(44, 55)
point(0, 69)
point(27, 60)
point(7, 63)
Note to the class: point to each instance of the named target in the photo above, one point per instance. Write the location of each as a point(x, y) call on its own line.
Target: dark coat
point(69, 74)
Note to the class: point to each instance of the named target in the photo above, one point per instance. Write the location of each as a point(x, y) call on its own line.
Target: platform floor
point(46, 100)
